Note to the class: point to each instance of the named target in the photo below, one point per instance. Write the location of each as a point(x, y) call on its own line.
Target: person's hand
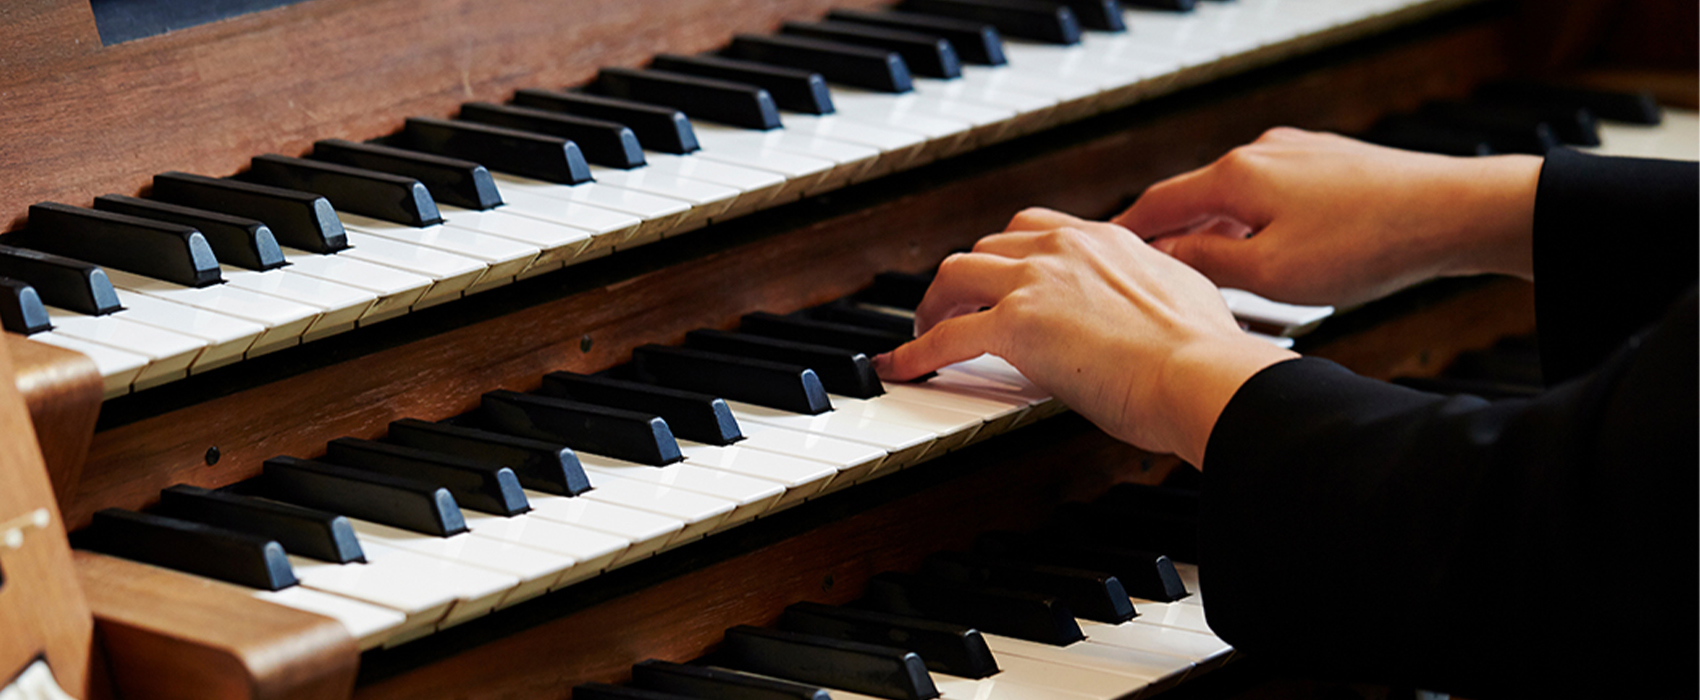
point(1311, 218)
point(1132, 339)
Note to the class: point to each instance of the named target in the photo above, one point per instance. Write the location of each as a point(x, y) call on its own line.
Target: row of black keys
point(425, 472)
point(191, 222)
point(1513, 117)
point(1024, 586)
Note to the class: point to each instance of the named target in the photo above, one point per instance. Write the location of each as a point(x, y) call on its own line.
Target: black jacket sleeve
point(1492, 549)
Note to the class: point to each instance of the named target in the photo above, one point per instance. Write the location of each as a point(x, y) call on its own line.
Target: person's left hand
point(1134, 340)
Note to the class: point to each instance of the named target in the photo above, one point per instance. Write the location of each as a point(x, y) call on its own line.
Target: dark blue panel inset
point(127, 20)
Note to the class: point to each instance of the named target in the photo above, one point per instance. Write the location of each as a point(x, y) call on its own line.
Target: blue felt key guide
point(127, 20)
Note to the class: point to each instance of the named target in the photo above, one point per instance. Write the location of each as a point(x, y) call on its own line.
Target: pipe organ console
point(486, 349)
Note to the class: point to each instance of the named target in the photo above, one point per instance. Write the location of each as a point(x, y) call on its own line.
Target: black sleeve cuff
point(1615, 242)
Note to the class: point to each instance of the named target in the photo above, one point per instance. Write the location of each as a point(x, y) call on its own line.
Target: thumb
point(1229, 262)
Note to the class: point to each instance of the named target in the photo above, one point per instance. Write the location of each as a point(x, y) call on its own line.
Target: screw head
point(584, 343)
point(212, 455)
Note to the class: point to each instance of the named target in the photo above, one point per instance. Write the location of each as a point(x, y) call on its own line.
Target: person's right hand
point(1312, 218)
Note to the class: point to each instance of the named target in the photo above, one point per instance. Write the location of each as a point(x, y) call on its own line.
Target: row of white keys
point(370, 625)
point(397, 290)
point(430, 592)
point(534, 571)
point(852, 460)
point(284, 321)
point(803, 172)
point(340, 306)
point(451, 274)
point(707, 200)
point(644, 532)
point(899, 148)
point(749, 496)
point(1247, 306)
point(118, 368)
point(557, 243)
point(606, 226)
point(756, 187)
point(904, 445)
point(802, 477)
point(165, 355)
point(438, 247)
point(657, 214)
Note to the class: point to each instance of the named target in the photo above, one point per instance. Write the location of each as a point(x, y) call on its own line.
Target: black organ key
point(736, 104)
point(485, 486)
point(1508, 133)
point(410, 504)
point(850, 64)
point(881, 671)
point(718, 683)
point(974, 42)
point(849, 312)
point(629, 435)
point(1144, 574)
point(1032, 616)
point(690, 415)
point(1173, 5)
point(924, 54)
point(63, 282)
point(537, 156)
point(772, 384)
point(380, 195)
point(1412, 134)
point(1089, 594)
point(453, 181)
point(604, 691)
point(845, 372)
point(235, 240)
point(1028, 19)
point(603, 142)
point(297, 219)
point(898, 290)
point(541, 465)
point(237, 557)
point(658, 128)
point(21, 310)
point(815, 332)
point(1633, 107)
point(1102, 15)
point(301, 530)
point(794, 89)
point(946, 647)
point(158, 249)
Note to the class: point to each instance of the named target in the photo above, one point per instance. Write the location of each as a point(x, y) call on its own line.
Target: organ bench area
point(454, 349)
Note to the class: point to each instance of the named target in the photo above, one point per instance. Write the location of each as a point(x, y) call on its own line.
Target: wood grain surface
point(62, 389)
point(42, 613)
point(170, 635)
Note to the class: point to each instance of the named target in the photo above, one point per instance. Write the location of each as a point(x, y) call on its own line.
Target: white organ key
point(118, 368)
point(535, 570)
point(1177, 615)
point(999, 413)
point(168, 354)
point(1206, 649)
point(953, 428)
point(1189, 576)
point(1148, 668)
point(606, 226)
point(802, 477)
point(700, 513)
point(557, 243)
point(393, 586)
point(284, 320)
point(397, 290)
point(802, 173)
point(905, 445)
point(850, 161)
point(368, 624)
point(707, 199)
point(449, 273)
point(503, 258)
point(751, 496)
point(1251, 307)
point(228, 338)
point(659, 214)
point(340, 306)
point(594, 551)
point(756, 187)
point(898, 148)
point(854, 460)
point(994, 687)
point(644, 532)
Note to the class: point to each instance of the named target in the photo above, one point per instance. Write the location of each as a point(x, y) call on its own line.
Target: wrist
point(1197, 381)
point(1494, 204)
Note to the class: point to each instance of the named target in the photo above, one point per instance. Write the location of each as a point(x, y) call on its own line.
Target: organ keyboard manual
point(454, 349)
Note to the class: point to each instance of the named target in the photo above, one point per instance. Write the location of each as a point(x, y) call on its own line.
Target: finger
point(1227, 261)
point(1186, 201)
point(955, 340)
point(1042, 219)
point(966, 282)
point(1013, 244)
